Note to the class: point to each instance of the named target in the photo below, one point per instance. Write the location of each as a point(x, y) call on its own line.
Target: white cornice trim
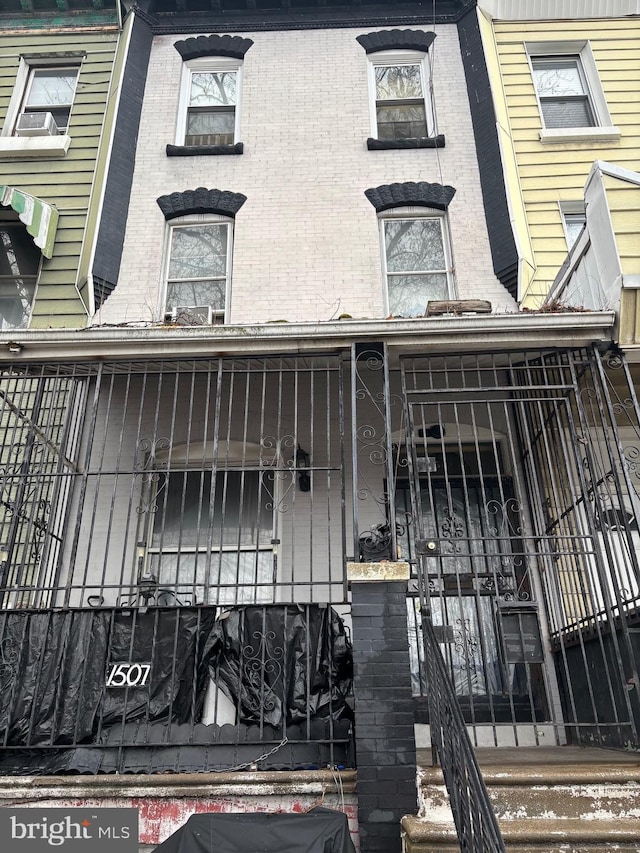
point(614, 171)
point(550, 10)
point(437, 334)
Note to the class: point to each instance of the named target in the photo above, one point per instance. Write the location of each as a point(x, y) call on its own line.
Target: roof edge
point(446, 333)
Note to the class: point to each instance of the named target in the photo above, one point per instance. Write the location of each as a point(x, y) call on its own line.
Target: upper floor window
point(49, 91)
point(401, 106)
point(574, 219)
point(19, 266)
point(209, 108)
point(417, 262)
point(416, 253)
point(209, 113)
point(198, 261)
point(401, 103)
point(39, 111)
point(563, 92)
point(570, 97)
point(198, 269)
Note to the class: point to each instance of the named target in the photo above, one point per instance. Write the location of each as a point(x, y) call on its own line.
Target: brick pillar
point(385, 743)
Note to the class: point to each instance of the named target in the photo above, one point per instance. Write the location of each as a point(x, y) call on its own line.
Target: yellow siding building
point(545, 167)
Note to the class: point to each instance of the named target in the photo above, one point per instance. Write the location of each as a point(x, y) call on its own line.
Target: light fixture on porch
point(141, 552)
point(14, 347)
point(302, 465)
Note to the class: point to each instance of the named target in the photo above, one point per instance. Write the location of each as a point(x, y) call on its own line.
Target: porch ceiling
point(437, 334)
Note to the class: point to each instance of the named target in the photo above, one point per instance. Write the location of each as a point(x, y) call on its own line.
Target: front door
point(461, 526)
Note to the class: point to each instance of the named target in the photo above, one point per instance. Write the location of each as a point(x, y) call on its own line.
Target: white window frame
point(401, 57)
point(35, 146)
point(247, 580)
point(604, 129)
point(220, 317)
point(413, 212)
point(200, 65)
point(230, 457)
point(570, 209)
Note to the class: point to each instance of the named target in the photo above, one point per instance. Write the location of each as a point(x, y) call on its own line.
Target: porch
point(175, 537)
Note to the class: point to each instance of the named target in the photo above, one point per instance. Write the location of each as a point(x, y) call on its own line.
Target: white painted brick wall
point(307, 239)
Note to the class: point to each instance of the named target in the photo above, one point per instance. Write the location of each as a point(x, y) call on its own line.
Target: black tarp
point(282, 664)
point(54, 682)
point(287, 668)
point(317, 831)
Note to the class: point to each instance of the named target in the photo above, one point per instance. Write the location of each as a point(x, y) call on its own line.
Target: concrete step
point(563, 799)
point(526, 836)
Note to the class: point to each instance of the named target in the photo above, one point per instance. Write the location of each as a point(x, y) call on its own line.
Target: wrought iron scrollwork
point(376, 544)
point(8, 659)
point(452, 527)
point(372, 439)
point(150, 472)
point(262, 673)
point(281, 478)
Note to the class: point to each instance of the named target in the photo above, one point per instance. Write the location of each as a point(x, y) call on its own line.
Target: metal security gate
point(518, 512)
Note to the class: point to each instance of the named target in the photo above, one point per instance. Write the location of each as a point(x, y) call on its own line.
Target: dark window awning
point(40, 218)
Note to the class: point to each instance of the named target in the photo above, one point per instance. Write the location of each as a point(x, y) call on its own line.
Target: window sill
point(200, 150)
point(421, 142)
point(34, 146)
point(579, 134)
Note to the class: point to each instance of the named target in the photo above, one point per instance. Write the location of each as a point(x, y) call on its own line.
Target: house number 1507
point(128, 674)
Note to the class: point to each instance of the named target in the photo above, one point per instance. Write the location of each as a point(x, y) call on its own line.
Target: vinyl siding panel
point(624, 206)
point(66, 182)
point(629, 332)
point(555, 172)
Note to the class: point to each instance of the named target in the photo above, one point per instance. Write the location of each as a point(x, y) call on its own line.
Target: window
point(573, 220)
point(209, 105)
point(19, 265)
point(570, 98)
point(417, 263)
point(399, 86)
point(37, 118)
point(562, 90)
point(211, 537)
point(50, 90)
point(198, 269)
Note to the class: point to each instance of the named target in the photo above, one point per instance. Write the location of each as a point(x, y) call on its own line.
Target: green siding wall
point(67, 182)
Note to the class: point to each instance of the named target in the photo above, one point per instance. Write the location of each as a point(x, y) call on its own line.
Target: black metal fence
point(211, 481)
point(476, 823)
point(174, 689)
point(520, 509)
point(512, 477)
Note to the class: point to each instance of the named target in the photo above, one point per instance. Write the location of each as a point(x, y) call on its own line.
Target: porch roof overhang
point(40, 218)
point(433, 334)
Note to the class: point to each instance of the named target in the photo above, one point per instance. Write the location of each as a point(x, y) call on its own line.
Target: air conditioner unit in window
point(36, 124)
point(200, 315)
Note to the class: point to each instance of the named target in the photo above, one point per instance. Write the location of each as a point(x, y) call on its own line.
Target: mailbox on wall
point(519, 627)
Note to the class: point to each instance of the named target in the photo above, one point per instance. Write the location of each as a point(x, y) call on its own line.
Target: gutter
point(433, 334)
